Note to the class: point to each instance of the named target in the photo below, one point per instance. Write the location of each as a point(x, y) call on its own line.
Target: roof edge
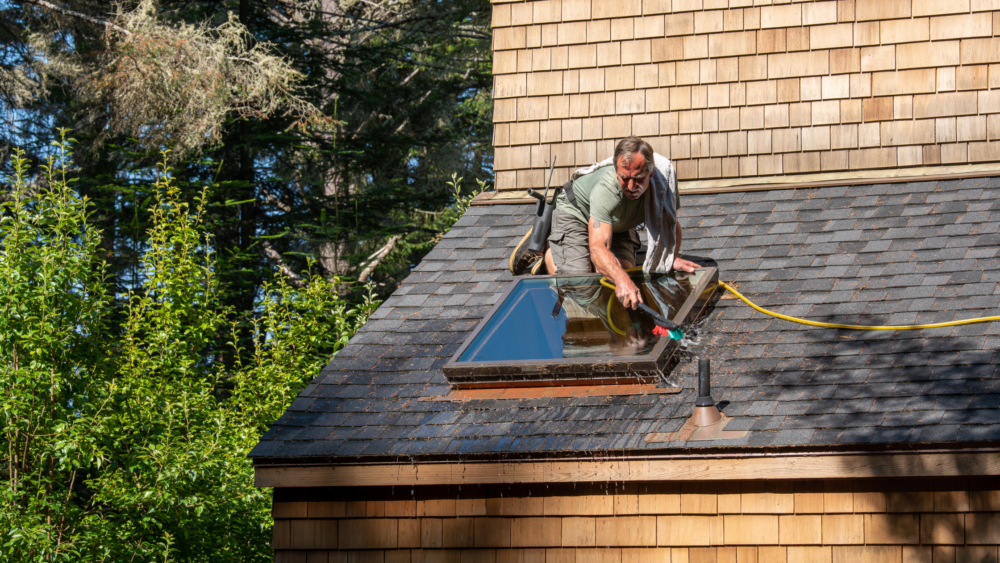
point(718, 467)
point(793, 181)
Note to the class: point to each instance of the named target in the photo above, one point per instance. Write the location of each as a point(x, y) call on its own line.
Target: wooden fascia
point(811, 466)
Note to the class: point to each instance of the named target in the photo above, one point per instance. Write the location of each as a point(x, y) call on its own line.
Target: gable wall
point(894, 521)
point(734, 88)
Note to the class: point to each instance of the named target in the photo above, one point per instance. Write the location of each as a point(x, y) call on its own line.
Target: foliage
point(293, 333)
point(463, 202)
point(145, 341)
point(176, 84)
point(158, 81)
point(51, 307)
point(405, 84)
point(129, 443)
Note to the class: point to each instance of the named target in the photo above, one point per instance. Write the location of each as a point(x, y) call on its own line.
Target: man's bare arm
point(606, 263)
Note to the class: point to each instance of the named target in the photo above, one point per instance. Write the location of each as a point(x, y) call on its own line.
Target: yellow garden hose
point(729, 288)
point(611, 323)
point(611, 286)
point(855, 327)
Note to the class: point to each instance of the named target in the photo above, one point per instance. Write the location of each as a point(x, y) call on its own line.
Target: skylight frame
point(575, 371)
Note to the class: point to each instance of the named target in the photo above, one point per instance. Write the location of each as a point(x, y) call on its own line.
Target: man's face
point(633, 176)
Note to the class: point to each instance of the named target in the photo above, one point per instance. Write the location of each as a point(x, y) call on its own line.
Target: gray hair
point(629, 146)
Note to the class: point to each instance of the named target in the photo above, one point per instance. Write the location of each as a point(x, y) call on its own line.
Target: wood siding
point(831, 521)
point(734, 88)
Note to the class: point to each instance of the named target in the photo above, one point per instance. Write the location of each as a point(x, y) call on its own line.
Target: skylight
point(552, 330)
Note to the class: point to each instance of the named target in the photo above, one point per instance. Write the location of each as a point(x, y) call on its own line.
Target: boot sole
point(514, 253)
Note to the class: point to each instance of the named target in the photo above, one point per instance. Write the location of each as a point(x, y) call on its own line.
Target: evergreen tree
point(389, 99)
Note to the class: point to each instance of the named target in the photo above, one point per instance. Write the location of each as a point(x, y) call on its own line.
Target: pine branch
point(378, 256)
point(84, 17)
point(293, 279)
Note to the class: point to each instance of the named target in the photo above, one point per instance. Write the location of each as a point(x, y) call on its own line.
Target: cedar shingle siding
point(725, 522)
point(729, 89)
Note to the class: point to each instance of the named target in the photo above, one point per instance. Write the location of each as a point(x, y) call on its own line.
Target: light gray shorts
point(569, 241)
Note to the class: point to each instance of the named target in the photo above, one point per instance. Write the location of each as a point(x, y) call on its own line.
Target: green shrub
point(128, 441)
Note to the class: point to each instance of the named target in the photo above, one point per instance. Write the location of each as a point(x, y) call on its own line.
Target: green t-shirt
point(598, 195)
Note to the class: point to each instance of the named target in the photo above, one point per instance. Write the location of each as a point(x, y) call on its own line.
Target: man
point(597, 229)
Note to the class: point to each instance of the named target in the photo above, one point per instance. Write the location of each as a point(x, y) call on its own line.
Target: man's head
point(634, 166)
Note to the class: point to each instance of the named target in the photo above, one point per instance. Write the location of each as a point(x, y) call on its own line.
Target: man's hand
point(627, 292)
point(680, 263)
point(685, 265)
point(606, 263)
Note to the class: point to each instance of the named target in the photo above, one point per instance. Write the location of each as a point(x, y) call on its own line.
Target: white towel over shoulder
point(661, 213)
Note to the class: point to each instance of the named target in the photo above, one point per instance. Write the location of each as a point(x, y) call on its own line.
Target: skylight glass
point(553, 328)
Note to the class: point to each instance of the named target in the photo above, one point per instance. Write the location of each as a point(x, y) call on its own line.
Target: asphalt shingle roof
point(872, 254)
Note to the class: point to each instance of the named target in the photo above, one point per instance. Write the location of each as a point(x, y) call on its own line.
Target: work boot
point(521, 259)
point(538, 268)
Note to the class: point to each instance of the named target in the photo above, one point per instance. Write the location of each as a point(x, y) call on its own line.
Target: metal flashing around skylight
point(559, 330)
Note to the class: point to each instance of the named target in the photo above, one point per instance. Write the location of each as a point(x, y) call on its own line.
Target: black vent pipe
point(704, 384)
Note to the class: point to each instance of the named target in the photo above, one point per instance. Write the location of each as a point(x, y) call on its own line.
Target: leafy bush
point(128, 441)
